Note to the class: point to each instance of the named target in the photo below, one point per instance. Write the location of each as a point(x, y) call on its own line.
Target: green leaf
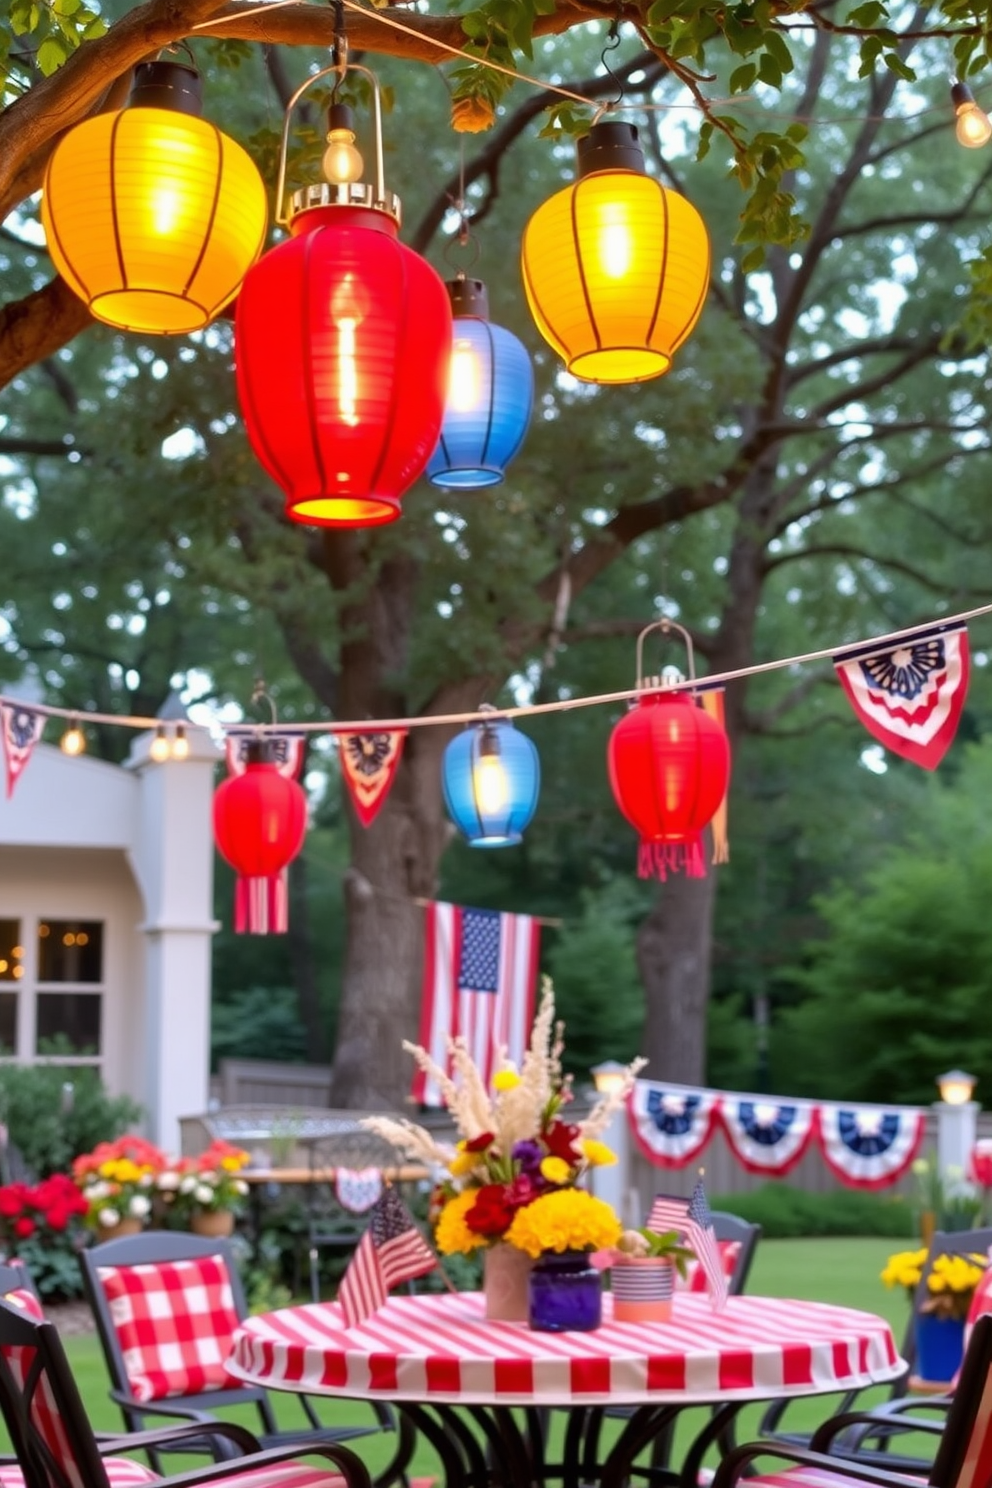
point(901, 69)
point(753, 259)
point(742, 77)
point(776, 47)
point(769, 71)
point(51, 54)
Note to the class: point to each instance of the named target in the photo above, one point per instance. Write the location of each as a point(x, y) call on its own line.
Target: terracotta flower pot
point(216, 1223)
point(505, 1274)
point(129, 1225)
point(642, 1287)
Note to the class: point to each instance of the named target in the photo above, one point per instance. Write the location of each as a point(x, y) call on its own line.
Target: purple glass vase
point(566, 1294)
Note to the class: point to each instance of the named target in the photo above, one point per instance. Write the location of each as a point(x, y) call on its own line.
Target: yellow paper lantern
point(615, 267)
point(152, 215)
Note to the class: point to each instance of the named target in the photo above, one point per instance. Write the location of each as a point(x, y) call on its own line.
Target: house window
point(68, 1002)
point(11, 972)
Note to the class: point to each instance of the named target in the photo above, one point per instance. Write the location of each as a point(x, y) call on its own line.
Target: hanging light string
point(568, 93)
point(523, 710)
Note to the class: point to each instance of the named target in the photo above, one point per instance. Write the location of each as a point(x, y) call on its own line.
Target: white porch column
point(174, 865)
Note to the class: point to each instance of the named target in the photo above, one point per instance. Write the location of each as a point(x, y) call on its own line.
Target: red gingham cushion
point(695, 1280)
point(816, 1477)
point(122, 1472)
point(174, 1322)
point(26, 1301)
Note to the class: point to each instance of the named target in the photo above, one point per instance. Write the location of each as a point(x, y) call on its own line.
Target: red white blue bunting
point(767, 1136)
point(869, 1146)
point(670, 1123)
point(910, 696)
point(864, 1146)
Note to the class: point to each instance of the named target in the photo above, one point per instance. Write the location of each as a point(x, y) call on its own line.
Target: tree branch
point(40, 324)
point(848, 550)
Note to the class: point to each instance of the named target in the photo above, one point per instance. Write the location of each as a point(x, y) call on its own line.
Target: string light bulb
point(73, 741)
point(180, 744)
point(973, 127)
point(342, 162)
point(159, 748)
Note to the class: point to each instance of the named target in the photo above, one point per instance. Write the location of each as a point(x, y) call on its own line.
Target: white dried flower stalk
point(433, 1071)
point(536, 1070)
point(605, 1108)
point(518, 1115)
point(472, 1094)
point(415, 1141)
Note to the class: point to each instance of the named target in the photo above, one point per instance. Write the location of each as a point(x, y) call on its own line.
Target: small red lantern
point(260, 821)
point(343, 338)
point(669, 765)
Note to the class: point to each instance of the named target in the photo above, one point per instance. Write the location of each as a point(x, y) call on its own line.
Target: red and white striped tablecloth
point(441, 1348)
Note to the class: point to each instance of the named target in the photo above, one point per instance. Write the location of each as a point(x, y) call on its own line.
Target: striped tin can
point(642, 1288)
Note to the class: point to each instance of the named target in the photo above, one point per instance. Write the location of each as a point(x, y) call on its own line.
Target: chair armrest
point(355, 1472)
point(733, 1465)
point(866, 1424)
point(133, 1441)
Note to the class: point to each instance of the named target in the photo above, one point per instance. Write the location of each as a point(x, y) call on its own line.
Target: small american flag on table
point(694, 1221)
point(391, 1251)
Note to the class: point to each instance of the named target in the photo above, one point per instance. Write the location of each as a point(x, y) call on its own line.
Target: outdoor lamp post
point(612, 1184)
point(957, 1118)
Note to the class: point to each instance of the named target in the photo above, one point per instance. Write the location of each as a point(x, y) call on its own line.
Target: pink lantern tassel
point(659, 859)
point(261, 905)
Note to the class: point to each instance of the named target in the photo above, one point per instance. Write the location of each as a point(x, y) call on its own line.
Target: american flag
point(391, 1251)
point(692, 1218)
point(480, 976)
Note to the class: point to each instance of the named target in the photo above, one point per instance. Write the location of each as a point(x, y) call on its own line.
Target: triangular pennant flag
point(909, 696)
point(22, 728)
point(712, 701)
point(286, 751)
point(369, 763)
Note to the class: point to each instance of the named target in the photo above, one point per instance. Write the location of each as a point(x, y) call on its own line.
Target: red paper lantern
point(260, 821)
point(342, 344)
point(669, 765)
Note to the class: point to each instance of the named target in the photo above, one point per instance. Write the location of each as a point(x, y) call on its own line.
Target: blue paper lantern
point(491, 776)
point(490, 395)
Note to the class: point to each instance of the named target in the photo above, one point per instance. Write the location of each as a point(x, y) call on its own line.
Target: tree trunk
point(302, 961)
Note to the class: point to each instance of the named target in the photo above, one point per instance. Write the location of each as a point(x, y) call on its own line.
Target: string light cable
point(568, 93)
point(526, 710)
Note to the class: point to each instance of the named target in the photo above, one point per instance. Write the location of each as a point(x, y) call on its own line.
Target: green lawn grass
point(839, 1270)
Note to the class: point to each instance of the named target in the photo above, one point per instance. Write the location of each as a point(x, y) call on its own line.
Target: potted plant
point(206, 1193)
point(940, 1320)
point(117, 1181)
point(643, 1270)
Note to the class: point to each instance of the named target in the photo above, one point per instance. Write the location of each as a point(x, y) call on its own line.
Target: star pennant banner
point(910, 696)
point(22, 728)
point(671, 1125)
point(287, 751)
point(369, 763)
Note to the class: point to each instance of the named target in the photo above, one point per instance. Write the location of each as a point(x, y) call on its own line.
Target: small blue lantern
point(490, 395)
point(491, 776)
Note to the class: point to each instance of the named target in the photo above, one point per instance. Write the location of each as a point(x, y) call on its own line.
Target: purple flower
point(528, 1154)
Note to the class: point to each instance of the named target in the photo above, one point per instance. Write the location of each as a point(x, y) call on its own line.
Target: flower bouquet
point(512, 1181)
point(117, 1181)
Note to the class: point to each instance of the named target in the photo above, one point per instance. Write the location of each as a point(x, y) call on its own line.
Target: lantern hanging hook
point(260, 694)
point(665, 626)
point(339, 69)
point(610, 45)
point(180, 45)
point(463, 238)
point(339, 47)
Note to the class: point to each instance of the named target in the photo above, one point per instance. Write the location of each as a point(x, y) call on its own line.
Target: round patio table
point(449, 1369)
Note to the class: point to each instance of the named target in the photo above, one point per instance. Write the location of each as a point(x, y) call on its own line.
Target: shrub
point(41, 1226)
point(53, 1113)
point(784, 1212)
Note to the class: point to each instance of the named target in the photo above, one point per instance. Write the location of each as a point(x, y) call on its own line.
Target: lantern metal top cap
point(469, 297)
point(351, 194)
point(955, 1087)
point(610, 145)
point(961, 93)
point(167, 85)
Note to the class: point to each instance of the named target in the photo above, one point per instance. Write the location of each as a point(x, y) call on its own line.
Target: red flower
point(23, 1227)
point(12, 1200)
point(980, 1170)
point(490, 1214)
point(560, 1138)
point(521, 1191)
point(57, 1217)
point(481, 1142)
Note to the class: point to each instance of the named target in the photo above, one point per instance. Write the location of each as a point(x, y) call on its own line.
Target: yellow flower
point(123, 1170)
point(597, 1154)
point(905, 1268)
point(953, 1274)
point(568, 1219)
point(555, 1169)
point(452, 1234)
point(506, 1079)
point(462, 1164)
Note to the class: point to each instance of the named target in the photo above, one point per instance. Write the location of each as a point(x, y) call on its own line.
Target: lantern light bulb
point(342, 160)
point(464, 378)
point(73, 741)
point(489, 776)
point(159, 748)
point(616, 249)
point(180, 744)
point(973, 127)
